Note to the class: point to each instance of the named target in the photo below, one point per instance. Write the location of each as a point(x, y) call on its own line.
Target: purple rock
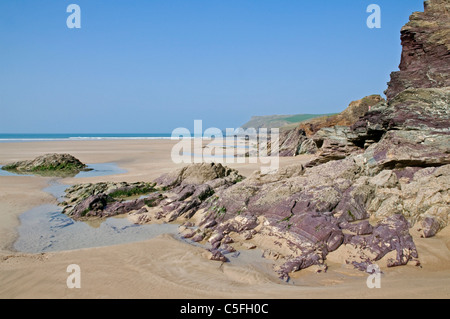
point(218, 256)
point(430, 226)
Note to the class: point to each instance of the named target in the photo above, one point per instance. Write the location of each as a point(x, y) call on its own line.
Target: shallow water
point(101, 169)
point(45, 228)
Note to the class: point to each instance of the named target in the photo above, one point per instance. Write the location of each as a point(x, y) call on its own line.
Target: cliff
point(425, 59)
point(277, 121)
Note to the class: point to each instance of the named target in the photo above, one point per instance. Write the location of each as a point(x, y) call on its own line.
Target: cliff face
point(348, 117)
point(299, 140)
point(425, 60)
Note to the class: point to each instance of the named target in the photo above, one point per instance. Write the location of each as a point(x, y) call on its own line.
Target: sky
point(150, 66)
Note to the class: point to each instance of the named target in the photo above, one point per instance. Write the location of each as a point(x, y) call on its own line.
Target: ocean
point(5, 138)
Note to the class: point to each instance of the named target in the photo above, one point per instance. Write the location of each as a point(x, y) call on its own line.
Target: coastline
point(164, 267)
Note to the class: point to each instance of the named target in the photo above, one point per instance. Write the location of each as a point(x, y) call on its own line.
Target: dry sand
point(164, 267)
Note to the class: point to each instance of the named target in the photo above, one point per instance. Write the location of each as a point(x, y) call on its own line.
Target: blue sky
point(149, 66)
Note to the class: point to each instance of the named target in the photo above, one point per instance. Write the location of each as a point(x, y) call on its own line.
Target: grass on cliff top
point(297, 119)
point(303, 117)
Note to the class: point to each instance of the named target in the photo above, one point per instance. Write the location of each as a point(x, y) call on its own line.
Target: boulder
point(197, 174)
point(49, 163)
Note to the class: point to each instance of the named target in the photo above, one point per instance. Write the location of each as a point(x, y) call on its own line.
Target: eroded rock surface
point(425, 56)
point(48, 164)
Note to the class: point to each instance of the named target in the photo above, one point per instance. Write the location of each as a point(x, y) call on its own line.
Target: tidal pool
point(94, 170)
point(45, 228)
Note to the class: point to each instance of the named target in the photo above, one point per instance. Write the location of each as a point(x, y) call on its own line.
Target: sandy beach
point(165, 267)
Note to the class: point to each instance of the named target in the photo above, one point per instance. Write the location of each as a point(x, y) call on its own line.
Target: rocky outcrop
point(105, 199)
point(290, 142)
point(308, 212)
point(425, 56)
point(334, 144)
point(348, 117)
point(177, 193)
point(198, 174)
point(326, 135)
point(48, 163)
point(413, 129)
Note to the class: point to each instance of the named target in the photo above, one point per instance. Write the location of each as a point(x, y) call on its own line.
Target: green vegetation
point(302, 117)
point(132, 191)
point(206, 195)
point(150, 202)
point(351, 215)
point(278, 121)
point(219, 210)
point(239, 179)
point(58, 167)
point(287, 218)
point(9, 167)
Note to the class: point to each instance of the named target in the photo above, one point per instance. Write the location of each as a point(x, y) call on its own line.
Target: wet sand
point(164, 267)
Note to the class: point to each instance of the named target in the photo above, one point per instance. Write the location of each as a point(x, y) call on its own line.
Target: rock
point(386, 178)
point(226, 249)
point(119, 208)
point(227, 240)
point(308, 146)
point(290, 142)
point(248, 235)
point(298, 263)
point(326, 134)
point(91, 206)
point(354, 201)
point(197, 174)
point(391, 234)
point(198, 237)
point(430, 226)
point(64, 164)
point(217, 256)
point(334, 145)
point(359, 228)
point(348, 117)
point(425, 50)
point(114, 192)
point(216, 238)
point(413, 130)
point(423, 192)
point(248, 245)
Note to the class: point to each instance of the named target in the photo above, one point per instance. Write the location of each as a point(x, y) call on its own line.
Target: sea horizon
point(35, 137)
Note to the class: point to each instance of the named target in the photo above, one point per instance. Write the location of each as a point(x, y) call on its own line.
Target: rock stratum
point(425, 59)
point(377, 178)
